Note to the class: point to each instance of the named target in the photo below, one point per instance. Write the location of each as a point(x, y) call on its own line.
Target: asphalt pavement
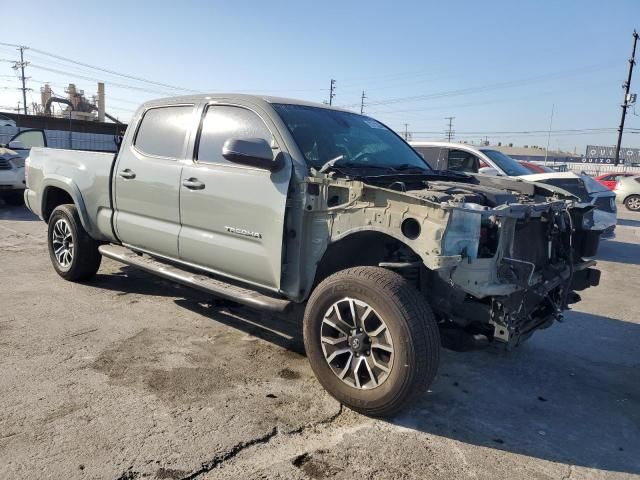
point(129, 376)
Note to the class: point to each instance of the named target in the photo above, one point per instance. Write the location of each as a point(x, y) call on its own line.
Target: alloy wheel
point(62, 242)
point(634, 203)
point(356, 343)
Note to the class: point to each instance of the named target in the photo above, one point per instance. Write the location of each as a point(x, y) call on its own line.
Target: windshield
point(507, 164)
point(352, 140)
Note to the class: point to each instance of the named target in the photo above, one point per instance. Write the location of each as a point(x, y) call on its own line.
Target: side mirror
point(488, 171)
point(16, 145)
point(255, 152)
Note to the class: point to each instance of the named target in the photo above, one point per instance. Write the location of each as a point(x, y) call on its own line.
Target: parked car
point(535, 167)
point(489, 161)
point(272, 202)
point(628, 192)
point(6, 121)
point(12, 157)
point(610, 180)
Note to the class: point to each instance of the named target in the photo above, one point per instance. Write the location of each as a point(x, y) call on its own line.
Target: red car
point(609, 180)
point(535, 167)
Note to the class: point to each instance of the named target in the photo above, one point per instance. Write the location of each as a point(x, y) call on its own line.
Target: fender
point(69, 186)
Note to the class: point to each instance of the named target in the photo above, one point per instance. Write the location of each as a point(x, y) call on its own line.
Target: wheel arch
point(59, 191)
point(358, 248)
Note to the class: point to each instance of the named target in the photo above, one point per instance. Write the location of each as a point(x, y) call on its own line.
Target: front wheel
point(633, 203)
point(371, 339)
point(74, 254)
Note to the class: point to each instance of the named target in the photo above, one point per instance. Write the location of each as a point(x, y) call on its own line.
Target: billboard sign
point(607, 155)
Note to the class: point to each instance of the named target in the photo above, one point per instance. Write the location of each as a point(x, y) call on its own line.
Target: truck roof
point(196, 98)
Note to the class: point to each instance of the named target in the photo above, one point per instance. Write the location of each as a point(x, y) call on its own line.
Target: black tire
point(632, 202)
point(14, 199)
point(409, 321)
point(85, 258)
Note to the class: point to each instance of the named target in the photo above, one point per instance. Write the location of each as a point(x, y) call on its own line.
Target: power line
point(534, 132)
point(94, 79)
point(484, 88)
point(113, 72)
point(362, 102)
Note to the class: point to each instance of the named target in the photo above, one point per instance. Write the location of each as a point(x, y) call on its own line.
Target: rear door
point(147, 180)
point(233, 215)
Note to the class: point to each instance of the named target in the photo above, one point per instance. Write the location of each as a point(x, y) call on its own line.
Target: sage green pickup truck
point(272, 203)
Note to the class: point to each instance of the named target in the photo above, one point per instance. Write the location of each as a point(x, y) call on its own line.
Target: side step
point(250, 298)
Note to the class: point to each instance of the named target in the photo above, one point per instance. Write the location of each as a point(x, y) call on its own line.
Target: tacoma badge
point(242, 231)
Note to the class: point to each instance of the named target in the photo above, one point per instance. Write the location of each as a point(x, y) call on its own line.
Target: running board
point(250, 298)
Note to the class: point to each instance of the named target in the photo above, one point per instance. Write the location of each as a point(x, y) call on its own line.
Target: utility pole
point(331, 90)
point(362, 102)
point(625, 104)
point(21, 65)
point(406, 132)
point(546, 152)
point(450, 131)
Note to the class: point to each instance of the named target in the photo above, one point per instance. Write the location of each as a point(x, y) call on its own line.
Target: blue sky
point(497, 66)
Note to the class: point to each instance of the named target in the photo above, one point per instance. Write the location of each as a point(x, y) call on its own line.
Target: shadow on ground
point(283, 330)
point(570, 395)
point(627, 222)
point(567, 396)
point(17, 214)
point(620, 252)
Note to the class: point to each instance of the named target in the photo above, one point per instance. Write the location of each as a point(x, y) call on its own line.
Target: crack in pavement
point(237, 449)
point(570, 473)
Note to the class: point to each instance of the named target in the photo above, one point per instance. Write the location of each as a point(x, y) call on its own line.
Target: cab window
point(163, 130)
point(222, 122)
point(461, 161)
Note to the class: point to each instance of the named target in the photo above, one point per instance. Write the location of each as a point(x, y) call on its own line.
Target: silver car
point(628, 192)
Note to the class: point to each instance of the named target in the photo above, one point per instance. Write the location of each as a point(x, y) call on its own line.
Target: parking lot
point(129, 376)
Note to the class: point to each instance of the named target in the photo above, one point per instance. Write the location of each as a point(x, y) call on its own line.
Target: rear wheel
point(74, 254)
point(371, 339)
point(633, 203)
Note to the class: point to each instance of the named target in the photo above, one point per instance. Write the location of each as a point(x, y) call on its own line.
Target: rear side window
point(222, 122)
point(432, 155)
point(461, 161)
point(163, 130)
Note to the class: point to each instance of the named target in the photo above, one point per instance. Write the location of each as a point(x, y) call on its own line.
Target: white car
point(12, 158)
point(489, 161)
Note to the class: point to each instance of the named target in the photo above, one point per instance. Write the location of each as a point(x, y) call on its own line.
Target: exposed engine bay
point(511, 254)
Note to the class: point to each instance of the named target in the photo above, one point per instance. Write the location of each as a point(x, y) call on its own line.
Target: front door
point(147, 180)
point(25, 140)
point(233, 215)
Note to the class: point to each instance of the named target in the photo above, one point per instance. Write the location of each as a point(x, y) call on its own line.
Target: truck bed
point(85, 175)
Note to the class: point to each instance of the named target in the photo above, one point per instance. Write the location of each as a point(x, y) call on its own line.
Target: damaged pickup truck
point(273, 203)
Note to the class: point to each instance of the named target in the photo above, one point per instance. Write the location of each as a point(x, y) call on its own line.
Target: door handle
point(126, 173)
point(193, 184)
